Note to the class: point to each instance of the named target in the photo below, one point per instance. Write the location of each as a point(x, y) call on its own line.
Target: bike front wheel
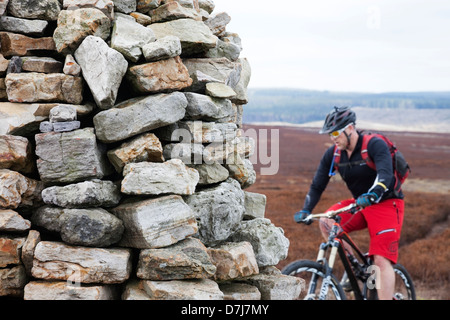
point(315, 277)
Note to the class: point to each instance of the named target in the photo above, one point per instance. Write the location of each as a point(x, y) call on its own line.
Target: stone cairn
point(122, 162)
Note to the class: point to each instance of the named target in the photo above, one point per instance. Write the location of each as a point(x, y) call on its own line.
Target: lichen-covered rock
point(70, 156)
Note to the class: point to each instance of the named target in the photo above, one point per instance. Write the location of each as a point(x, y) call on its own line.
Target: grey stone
point(269, 242)
point(103, 69)
point(203, 107)
point(124, 6)
point(63, 113)
point(65, 290)
point(66, 126)
point(18, 25)
point(155, 223)
point(212, 70)
point(128, 37)
point(30, 9)
point(139, 115)
point(201, 289)
point(90, 227)
point(75, 25)
point(164, 48)
point(86, 194)
point(59, 261)
point(11, 221)
point(41, 64)
point(277, 286)
point(255, 205)
point(194, 35)
point(211, 173)
point(12, 281)
point(70, 156)
point(170, 177)
point(239, 291)
point(219, 211)
point(187, 259)
point(45, 126)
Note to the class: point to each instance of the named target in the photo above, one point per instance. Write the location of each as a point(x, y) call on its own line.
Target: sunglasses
point(337, 133)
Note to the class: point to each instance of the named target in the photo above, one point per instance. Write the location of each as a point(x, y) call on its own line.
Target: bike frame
point(335, 242)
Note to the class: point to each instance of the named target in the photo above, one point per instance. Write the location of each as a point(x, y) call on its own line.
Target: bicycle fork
point(328, 269)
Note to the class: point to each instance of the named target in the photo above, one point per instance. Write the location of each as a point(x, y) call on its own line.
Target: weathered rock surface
point(24, 118)
point(12, 281)
point(269, 242)
point(30, 9)
point(160, 76)
point(41, 64)
point(13, 44)
point(41, 87)
point(187, 259)
point(203, 289)
point(86, 194)
point(194, 35)
point(164, 48)
point(63, 290)
point(233, 260)
point(11, 221)
point(172, 176)
point(16, 190)
point(103, 69)
point(277, 286)
point(255, 205)
point(239, 291)
point(90, 227)
point(58, 261)
point(145, 147)
point(75, 25)
point(24, 26)
point(128, 37)
point(155, 223)
point(203, 107)
point(70, 156)
point(15, 153)
point(219, 211)
point(10, 250)
point(139, 115)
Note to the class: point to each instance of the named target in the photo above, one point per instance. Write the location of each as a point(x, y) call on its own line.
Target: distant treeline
point(301, 106)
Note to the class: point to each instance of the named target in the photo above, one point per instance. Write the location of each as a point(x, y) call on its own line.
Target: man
point(371, 190)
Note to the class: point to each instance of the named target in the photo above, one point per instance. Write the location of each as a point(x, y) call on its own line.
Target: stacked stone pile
point(122, 164)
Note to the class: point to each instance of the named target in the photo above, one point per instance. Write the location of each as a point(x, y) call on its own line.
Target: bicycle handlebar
point(352, 208)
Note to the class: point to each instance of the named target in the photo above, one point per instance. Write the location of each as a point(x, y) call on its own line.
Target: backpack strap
point(335, 163)
point(365, 152)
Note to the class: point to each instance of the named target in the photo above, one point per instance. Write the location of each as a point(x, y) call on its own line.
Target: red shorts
point(384, 221)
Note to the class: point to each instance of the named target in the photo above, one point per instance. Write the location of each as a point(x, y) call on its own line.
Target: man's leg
point(386, 278)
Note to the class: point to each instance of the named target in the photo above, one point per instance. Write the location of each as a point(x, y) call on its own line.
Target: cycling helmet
point(338, 119)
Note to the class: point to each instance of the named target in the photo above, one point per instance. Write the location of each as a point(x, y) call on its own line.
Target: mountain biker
point(371, 189)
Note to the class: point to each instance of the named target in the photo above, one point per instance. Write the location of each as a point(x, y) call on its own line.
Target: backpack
point(399, 163)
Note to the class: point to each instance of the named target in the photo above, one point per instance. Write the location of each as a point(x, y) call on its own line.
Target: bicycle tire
point(301, 268)
point(404, 286)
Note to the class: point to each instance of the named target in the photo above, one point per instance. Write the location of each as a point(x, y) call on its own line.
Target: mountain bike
point(360, 273)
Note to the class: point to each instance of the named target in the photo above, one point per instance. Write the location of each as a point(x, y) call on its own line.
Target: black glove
point(300, 217)
point(367, 199)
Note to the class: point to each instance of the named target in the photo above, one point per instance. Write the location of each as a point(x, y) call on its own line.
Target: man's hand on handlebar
point(300, 217)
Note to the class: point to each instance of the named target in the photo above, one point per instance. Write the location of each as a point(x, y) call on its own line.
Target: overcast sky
point(344, 45)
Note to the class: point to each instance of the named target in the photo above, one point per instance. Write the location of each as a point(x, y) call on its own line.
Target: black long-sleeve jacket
point(357, 175)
